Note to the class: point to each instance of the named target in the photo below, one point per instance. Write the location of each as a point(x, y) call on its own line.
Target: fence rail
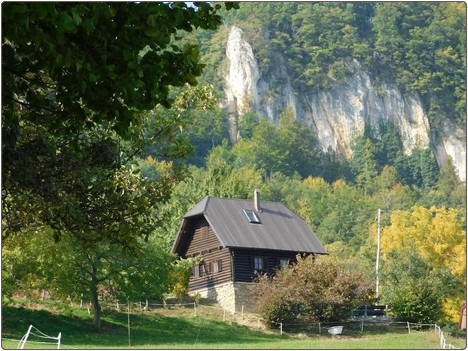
point(360, 321)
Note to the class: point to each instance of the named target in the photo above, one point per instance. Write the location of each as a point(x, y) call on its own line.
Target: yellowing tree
point(438, 236)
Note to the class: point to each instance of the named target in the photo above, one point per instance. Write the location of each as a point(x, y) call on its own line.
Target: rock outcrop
point(339, 114)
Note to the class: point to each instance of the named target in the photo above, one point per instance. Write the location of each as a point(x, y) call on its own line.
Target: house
point(236, 240)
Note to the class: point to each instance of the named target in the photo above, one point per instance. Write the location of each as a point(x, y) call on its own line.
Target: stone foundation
point(234, 297)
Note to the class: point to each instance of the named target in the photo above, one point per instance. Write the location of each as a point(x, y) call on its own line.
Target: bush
point(311, 290)
point(414, 288)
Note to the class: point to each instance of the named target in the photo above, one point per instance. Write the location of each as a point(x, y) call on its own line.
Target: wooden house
point(236, 240)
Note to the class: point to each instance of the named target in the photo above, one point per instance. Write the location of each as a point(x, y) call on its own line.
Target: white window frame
point(259, 263)
point(196, 271)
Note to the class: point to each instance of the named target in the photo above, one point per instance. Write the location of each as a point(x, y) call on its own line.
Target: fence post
point(362, 324)
point(281, 328)
point(409, 330)
point(58, 340)
point(320, 329)
point(25, 337)
point(128, 321)
point(242, 312)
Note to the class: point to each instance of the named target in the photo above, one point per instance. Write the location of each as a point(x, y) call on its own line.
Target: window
point(217, 266)
point(283, 262)
point(258, 263)
point(196, 270)
point(208, 268)
point(252, 216)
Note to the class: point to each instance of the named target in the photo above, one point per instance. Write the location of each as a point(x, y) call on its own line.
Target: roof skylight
point(252, 216)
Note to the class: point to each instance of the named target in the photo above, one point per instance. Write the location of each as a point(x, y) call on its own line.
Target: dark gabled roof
point(280, 228)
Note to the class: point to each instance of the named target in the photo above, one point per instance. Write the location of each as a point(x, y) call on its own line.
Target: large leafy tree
point(108, 213)
point(437, 237)
point(414, 288)
point(72, 270)
point(74, 77)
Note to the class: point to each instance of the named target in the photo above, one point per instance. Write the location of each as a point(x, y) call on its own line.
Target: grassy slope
point(154, 330)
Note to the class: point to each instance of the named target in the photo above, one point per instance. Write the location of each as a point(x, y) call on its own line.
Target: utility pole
point(377, 261)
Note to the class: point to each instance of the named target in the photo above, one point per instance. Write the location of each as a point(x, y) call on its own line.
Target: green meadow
point(181, 329)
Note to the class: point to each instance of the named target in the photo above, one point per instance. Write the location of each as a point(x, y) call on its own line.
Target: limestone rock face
point(241, 80)
point(338, 114)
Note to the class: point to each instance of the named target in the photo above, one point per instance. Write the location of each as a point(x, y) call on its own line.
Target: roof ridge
point(236, 198)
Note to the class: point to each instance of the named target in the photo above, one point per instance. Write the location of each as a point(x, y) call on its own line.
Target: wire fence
point(347, 328)
point(187, 309)
point(35, 339)
point(350, 328)
point(363, 324)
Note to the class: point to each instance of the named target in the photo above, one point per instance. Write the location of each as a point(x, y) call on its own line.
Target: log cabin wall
point(202, 242)
point(244, 265)
point(214, 270)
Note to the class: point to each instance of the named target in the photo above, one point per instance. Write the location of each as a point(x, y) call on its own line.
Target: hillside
point(176, 329)
point(346, 68)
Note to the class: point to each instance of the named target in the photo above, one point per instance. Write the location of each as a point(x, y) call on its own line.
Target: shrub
point(311, 290)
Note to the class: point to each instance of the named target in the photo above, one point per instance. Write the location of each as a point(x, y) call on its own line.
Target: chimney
point(257, 200)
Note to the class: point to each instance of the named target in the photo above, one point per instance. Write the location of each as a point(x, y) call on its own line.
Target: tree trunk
point(97, 311)
point(95, 298)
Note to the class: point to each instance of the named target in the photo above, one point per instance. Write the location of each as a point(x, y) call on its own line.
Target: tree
point(104, 211)
point(265, 151)
point(300, 145)
point(449, 191)
point(389, 146)
point(347, 212)
point(70, 269)
point(435, 235)
point(415, 290)
point(74, 78)
point(311, 290)
point(364, 163)
point(421, 45)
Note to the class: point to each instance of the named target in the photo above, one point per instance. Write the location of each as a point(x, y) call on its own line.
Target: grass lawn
point(154, 330)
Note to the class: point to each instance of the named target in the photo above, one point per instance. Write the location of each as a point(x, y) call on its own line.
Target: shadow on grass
point(350, 329)
point(145, 329)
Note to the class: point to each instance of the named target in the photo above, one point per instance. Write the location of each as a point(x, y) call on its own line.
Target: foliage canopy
point(74, 78)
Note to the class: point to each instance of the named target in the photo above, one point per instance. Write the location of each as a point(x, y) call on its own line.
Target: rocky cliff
point(339, 114)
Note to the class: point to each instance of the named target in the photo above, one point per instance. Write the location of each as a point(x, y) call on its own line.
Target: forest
point(91, 200)
point(421, 46)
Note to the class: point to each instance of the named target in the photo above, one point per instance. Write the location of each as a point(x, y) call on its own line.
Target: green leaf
point(152, 20)
point(88, 26)
point(152, 32)
point(67, 22)
point(76, 16)
point(92, 78)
